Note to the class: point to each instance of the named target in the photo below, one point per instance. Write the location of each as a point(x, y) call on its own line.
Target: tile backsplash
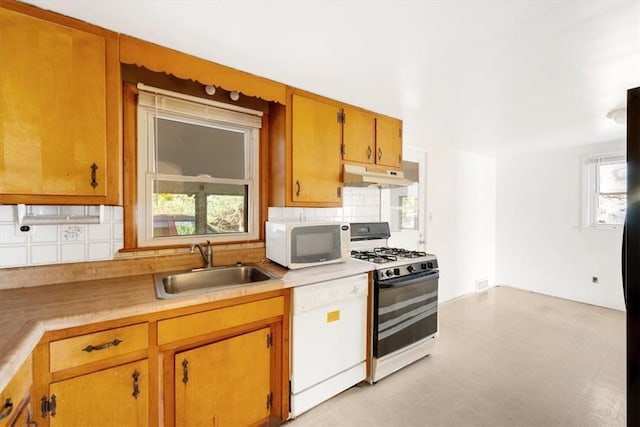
point(359, 205)
point(65, 243)
point(52, 244)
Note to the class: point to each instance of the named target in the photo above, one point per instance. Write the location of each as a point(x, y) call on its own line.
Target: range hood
point(359, 176)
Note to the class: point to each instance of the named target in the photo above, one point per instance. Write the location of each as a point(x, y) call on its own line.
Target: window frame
point(155, 103)
point(591, 190)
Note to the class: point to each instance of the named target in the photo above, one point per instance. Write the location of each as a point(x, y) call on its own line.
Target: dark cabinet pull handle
point(369, 152)
point(297, 188)
point(113, 343)
point(136, 385)
point(185, 371)
point(94, 182)
point(30, 420)
point(379, 153)
point(6, 409)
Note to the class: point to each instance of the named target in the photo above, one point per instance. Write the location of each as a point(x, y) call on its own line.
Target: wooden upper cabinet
point(59, 110)
point(315, 151)
point(310, 139)
point(371, 139)
point(389, 142)
point(359, 136)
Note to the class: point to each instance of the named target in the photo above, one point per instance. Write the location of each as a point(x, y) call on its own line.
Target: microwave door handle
point(399, 282)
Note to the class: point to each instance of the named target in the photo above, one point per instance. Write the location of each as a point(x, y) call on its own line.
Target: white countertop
point(310, 275)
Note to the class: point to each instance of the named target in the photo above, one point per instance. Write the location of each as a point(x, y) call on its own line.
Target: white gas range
point(404, 301)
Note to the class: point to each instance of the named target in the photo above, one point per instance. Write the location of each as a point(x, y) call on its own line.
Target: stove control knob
point(396, 271)
point(389, 273)
point(423, 266)
point(411, 269)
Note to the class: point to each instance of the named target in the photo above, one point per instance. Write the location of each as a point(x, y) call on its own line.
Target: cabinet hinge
point(339, 192)
point(269, 400)
point(343, 149)
point(269, 340)
point(341, 117)
point(48, 406)
point(400, 132)
point(289, 395)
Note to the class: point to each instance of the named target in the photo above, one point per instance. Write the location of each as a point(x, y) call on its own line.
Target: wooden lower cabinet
point(220, 364)
point(117, 396)
point(24, 417)
point(226, 383)
point(15, 396)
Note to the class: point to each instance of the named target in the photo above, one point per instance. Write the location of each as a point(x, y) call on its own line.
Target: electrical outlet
point(482, 284)
point(25, 230)
point(594, 279)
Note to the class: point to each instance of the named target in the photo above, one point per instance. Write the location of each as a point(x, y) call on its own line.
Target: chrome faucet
point(207, 254)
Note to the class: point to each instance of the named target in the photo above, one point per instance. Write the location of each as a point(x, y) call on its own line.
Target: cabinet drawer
point(15, 391)
point(215, 320)
point(76, 351)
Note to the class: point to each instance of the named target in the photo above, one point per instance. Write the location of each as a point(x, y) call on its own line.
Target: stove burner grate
point(403, 253)
point(373, 256)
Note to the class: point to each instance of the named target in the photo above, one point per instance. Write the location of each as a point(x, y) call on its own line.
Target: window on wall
point(606, 191)
point(197, 171)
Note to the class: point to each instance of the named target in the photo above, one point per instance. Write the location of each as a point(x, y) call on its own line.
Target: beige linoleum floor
point(505, 357)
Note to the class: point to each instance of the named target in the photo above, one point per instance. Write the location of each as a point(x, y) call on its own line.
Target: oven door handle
point(399, 281)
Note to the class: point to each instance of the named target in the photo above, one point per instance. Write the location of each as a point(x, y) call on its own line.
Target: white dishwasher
point(328, 343)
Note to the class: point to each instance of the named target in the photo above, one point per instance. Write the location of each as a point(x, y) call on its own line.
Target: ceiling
point(481, 76)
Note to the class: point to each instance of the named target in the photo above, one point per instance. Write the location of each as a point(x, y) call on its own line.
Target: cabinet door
point(24, 417)
point(359, 136)
point(316, 163)
point(226, 383)
point(12, 396)
point(54, 110)
point(389, 142)
point(113, 397)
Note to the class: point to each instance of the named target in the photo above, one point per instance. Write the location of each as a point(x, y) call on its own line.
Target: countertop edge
point(23, 341)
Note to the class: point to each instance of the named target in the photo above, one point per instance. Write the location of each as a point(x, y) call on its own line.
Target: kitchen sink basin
point(182, 283)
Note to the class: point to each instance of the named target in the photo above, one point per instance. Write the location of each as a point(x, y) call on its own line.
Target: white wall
point(540, 244)
point(461, 218)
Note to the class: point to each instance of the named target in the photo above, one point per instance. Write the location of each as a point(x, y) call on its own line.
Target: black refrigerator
point(631, 257)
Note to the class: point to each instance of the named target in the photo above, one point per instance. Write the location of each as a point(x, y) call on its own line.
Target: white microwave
point(307, 244)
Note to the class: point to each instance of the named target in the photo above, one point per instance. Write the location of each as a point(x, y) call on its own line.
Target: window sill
point(603, 227)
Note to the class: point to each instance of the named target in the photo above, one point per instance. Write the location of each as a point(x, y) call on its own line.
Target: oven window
point(407, 311)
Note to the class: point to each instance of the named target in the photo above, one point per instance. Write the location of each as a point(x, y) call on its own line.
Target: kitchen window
point(606, 183)
point(197, 170)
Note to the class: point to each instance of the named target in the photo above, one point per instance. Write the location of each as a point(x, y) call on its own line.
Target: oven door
point(406, 311)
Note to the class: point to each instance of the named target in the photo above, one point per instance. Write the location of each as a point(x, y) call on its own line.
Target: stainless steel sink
point(181, 283)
